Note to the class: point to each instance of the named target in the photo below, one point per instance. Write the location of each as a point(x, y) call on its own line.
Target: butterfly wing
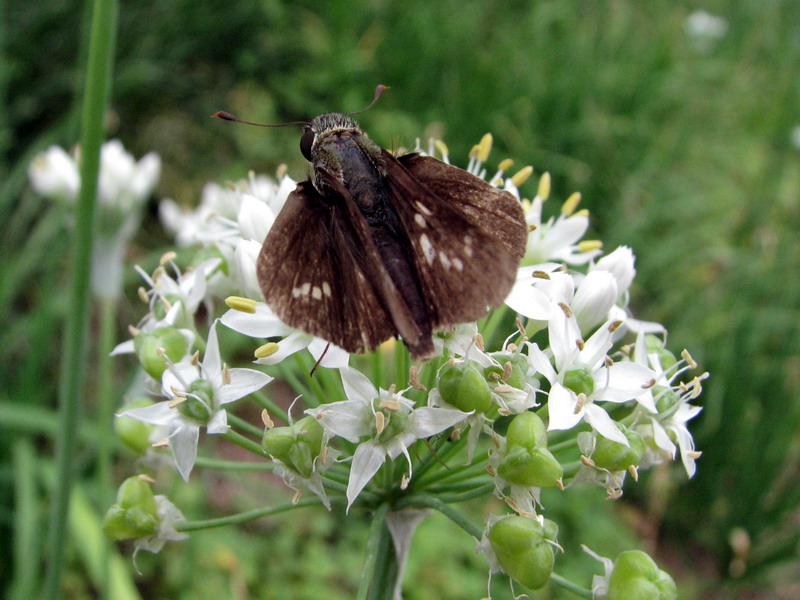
point(320, 273)
point(468, 237)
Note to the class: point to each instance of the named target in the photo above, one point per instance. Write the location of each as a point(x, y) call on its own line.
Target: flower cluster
point(560, 386)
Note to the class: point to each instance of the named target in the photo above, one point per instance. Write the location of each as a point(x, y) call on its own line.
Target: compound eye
point(305, 144)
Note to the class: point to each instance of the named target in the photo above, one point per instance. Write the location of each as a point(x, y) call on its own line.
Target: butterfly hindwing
point(467, 236)
point(316, 280)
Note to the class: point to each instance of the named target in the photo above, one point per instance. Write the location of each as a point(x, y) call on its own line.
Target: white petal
point(526, 299)
point(603, 424)
point(159, 413)
point(367, 459)
point(540, 362)
point(595, 348)
point(212, 363)
point(662, 439)
point(286, 347)
point(218, 422)
point(348, 419)
point(123, 348)
point(183, 443)
point(563, 333)
point(595, 296)
point(561, 406)
point(335, 357)
point(243, 382)
point(357, 386)
point(426, 421)
point(622, 381)
point(263, 323)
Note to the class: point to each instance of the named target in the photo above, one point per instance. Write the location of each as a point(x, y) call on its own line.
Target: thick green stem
point(73, 367)
point(370, 574)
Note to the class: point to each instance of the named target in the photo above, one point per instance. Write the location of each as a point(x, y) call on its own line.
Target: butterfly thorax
point(343, 157)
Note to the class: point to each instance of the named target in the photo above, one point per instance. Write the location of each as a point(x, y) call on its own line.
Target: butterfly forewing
point(315, 279)
point(467, 236)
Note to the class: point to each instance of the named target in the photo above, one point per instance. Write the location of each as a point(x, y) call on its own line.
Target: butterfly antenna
point(226, 116)
point(378, 92)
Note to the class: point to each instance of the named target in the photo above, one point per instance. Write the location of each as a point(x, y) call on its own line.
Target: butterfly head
point(325, 126)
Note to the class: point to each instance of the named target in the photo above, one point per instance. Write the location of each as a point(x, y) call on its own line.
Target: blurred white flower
point(54, 174)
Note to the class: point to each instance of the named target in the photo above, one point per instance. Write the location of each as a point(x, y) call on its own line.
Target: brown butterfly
point(376, 246)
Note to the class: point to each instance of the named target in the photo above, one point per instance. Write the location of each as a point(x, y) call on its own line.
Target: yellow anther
point(485, 147)
point(571, 203)
point(506, 164)
point(544, 186)
point(522, 175)
point(442, 148)
point(266, 350)
point(142, 293)
point(146, 478)
point(584, 212)
point(226, 374)
point(589, 245)
point(281, 171)
point(267, 420)
point(380, 422)
point(239, 303)
point(168, 257)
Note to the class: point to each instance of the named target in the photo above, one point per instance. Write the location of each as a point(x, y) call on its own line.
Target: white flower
point(705, 27)
point(390, 420)
point(197, 393)
point(124, 182)
point(263, 323)
point(54, 174)
point(123, 186)
point(582, 376)
point(669, 425)
point(558, 238)
point(168, 515)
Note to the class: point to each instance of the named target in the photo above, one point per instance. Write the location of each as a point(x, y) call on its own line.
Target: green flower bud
point(134, 433)
point(655, 344)
point(636, 576)
point(579, 381)
point(394, 424)
point(614, 456)
point(295, 445)
point(135, 514)
point(463, 386)
point(531, 468)
point(197, 408)
point(523, 549)
point(519, 368)
point(147, 347)
point(666, 399)
point(527, 430)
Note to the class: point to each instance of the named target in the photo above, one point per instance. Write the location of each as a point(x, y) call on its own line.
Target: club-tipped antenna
point(378, 92)
point(226, 116)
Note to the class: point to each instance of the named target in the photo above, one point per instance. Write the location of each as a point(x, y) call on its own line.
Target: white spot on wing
point(326, 289)
point(316, 293)
point(445, 260)
point(420, 220)
point(427, 248)
point(458, 264)
point(422, 208)
point(468, 251)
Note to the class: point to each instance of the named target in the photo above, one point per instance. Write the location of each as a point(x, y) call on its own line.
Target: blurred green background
point(681, 132)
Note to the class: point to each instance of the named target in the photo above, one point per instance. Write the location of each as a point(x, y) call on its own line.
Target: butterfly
point(375, 246)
